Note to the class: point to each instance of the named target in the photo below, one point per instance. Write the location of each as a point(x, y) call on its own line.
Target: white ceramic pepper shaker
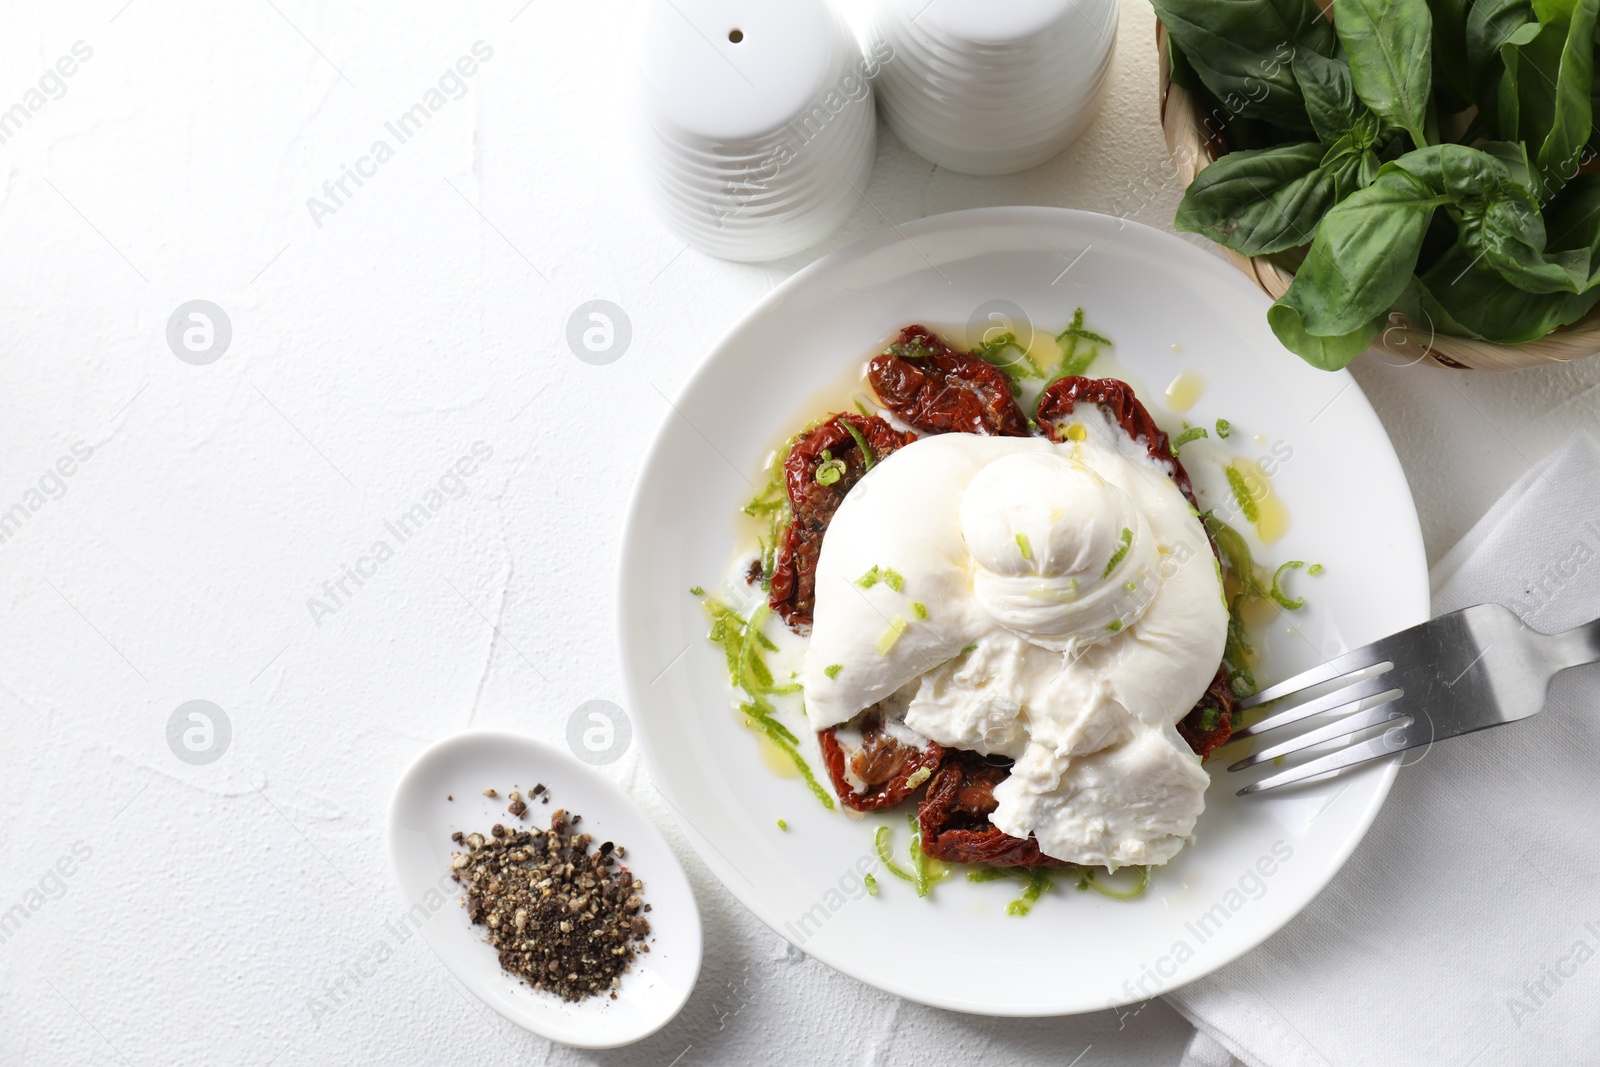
point(755, 122)
point(991, 86)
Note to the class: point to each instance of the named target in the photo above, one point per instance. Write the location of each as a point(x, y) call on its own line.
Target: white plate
point(1254, 862)
point(421, 820)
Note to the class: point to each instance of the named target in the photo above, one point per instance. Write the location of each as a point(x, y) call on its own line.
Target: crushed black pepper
point(562, 918)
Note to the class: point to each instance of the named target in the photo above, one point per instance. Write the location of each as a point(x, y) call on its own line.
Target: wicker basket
point(1403, 341)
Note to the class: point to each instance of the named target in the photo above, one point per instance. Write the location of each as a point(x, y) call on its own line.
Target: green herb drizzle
point(772, 503)
point(1015, 368)
point(1242, 494)
point(917, 349)
point(1073, 361)
point(1122, 551)
point(1137, 891)
point(926, 872)
point(1236, 553)
point(861, 444)
point(1283, 600)
point(881, 842)
point(1038, 884)
point(830, 470)
point(745, 647)
point(1241, 679)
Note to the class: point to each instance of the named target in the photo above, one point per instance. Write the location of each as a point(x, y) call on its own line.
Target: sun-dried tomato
point(883, 762)
point(812, 503)
point(1117, 397)
point(939, 390)
point(1210, 724)
point(954, 817)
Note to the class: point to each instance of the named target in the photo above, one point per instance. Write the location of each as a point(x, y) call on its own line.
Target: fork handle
point(1577, 646)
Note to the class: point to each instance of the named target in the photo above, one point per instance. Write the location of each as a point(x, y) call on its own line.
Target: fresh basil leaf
point(1241, 50)
point(1324, 353)
point(1509, 234)
point(1370, 165)
point(1352, 169)
point(1364, 253)
point(1556, 70)
point(1572, 222)
point(1180, 70)
point(1572, 219)
point(1513, 155)
point(1498, 218)
point(1259, 202)
point(1583, 33)
point(1490, 24)
point(1466, 175)
point(1465, 296)
point(1594, 101)
point(1389, 44)
point(1340, 150)
point(1450, 50)
point(1335, 111)
point(1508, 99)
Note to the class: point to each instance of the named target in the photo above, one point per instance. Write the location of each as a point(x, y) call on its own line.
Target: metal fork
point(1465, 671)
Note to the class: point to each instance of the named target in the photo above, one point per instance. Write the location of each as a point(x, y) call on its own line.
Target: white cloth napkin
point(1466, 928)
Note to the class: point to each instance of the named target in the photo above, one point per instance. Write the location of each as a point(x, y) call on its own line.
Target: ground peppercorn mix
point(561, 917)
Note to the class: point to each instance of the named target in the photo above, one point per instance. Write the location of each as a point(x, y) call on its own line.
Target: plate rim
point(1383, 771)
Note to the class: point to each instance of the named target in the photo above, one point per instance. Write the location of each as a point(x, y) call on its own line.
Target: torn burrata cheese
point(1055, 603)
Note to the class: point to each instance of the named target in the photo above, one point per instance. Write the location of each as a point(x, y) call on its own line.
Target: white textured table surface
point(233, 911)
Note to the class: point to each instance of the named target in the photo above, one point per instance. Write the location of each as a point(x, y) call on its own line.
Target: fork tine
point(1339, 700)
point(1396, 740)
point(1361, 720)
point(1355, 660)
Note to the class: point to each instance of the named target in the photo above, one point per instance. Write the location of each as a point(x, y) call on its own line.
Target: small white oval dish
point(421, 819)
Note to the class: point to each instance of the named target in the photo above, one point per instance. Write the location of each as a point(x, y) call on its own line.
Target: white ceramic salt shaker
point(991, 86)
point(755, 122)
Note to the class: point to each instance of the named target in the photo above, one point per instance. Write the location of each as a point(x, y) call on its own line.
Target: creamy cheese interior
point(1055, 603)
